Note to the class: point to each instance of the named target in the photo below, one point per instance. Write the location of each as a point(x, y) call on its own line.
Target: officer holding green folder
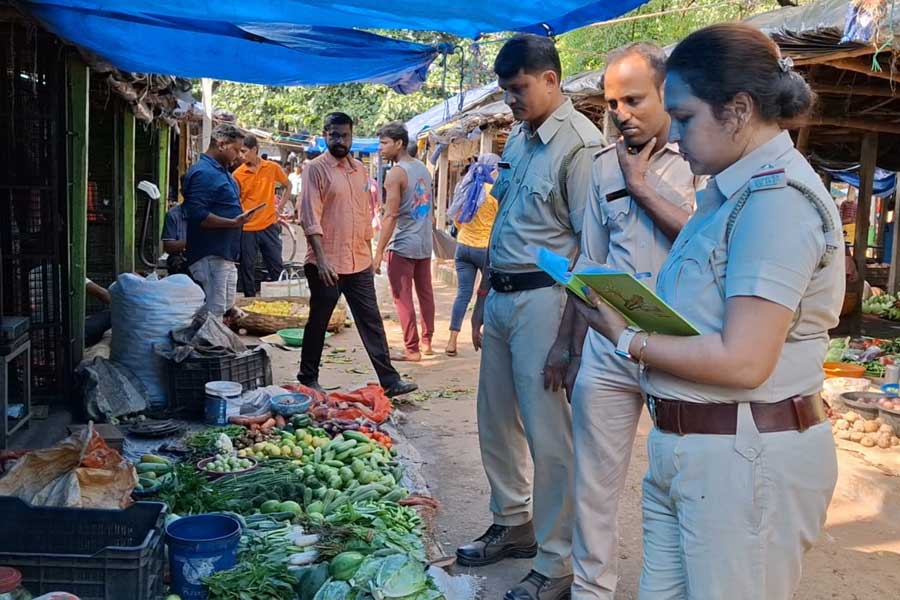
point(742, 463)
point(642, 193)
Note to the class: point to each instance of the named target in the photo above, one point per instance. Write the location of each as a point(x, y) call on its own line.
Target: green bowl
point(292, 337)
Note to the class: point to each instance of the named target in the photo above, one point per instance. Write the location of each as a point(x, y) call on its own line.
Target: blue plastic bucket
point(218, 394)
point(198, 547)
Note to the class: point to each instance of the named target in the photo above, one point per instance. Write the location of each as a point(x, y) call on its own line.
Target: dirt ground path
point(858, 557)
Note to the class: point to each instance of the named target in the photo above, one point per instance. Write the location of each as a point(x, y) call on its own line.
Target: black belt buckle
point(502, 282)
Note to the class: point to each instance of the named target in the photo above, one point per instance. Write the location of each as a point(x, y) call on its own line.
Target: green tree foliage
point(302, 108)
point(585, 49)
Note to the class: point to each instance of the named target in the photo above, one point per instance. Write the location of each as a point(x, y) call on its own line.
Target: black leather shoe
point(497, 543)
point(400, 388)
point(538, 587)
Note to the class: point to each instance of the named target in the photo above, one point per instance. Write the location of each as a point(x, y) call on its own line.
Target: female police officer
point(742, 463)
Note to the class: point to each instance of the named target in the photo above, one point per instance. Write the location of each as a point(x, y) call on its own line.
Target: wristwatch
point(622, 347)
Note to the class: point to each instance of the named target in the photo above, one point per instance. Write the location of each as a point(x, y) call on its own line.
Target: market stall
point(306, 489)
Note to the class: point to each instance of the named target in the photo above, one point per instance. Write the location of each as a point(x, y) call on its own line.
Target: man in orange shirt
point(256, 179)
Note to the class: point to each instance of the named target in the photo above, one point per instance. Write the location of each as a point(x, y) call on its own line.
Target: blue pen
point(643, 275)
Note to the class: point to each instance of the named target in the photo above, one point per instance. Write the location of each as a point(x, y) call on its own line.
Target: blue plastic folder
point(623, 291)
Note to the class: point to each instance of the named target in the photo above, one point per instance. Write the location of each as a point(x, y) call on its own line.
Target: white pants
point(518, 419)
point(730, 516)
point(218, 278)
point(606, 407)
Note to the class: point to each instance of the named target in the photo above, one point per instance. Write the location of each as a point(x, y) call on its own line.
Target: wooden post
point(487, 142)
point(803, 140)
point(206, 92)
point(442, 193)
point(184, 134)
point(895, 247)
point(78, 76)
point(868, 157)
point(126, 223)
point(443, 190)
point(163, 173)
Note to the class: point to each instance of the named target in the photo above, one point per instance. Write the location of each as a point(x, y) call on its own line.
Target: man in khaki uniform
point(642, 194)
point(542, 188)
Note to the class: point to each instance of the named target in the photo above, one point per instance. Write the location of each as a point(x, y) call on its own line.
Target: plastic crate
point(94, 554)
point(188, 379)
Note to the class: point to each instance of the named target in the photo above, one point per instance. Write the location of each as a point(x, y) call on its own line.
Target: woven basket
point(259, 324)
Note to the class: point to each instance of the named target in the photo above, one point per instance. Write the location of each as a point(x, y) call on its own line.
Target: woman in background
point(473, 211)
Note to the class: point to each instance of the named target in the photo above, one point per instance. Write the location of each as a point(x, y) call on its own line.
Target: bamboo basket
point(259, 324)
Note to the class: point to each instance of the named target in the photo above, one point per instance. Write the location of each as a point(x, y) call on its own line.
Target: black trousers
point(359, 289)
point(267, 241)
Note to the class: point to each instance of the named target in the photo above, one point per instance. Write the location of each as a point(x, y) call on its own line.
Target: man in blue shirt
point(212, 208)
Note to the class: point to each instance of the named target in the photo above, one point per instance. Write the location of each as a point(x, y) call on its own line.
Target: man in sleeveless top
point(406, 235)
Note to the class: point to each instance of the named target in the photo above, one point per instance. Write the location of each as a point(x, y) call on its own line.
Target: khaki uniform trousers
point(525, 430)
point(730, 516)
point(606, 407)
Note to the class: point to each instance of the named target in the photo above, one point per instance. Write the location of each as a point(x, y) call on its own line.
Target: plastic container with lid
point(11, 585)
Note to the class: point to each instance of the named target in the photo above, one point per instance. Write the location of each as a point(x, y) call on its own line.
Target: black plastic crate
point(188, 379)
point(94, 554)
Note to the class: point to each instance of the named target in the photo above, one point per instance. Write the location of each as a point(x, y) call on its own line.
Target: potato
point(851, 416)
point(895, 441)
point(843, 435)
point(883, 441)
point(879, 420)
point(856, 436)
point(843, 424)
point(859, 426)
point(868, 441)
point(885, 428)
point(870, 426)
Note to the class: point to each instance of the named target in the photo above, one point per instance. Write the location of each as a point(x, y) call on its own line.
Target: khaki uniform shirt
point(774, 253)
point(532, 211)
point(621, 235)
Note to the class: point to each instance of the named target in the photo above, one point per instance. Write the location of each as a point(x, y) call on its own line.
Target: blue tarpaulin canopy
point(883, 184)
point(296, 42)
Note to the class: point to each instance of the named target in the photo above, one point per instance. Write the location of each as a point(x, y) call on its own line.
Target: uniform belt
point(520, 282)
point(794, 414)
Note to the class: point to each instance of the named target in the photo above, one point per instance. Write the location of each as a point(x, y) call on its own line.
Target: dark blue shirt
point(175, 228)
point(210, 188)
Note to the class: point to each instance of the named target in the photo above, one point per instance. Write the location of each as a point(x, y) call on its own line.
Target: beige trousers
point(606, 407)
point(730, 516)
point(525, 430)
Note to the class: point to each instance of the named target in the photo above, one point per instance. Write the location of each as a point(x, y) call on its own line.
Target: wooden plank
point(832, 56)
point(163, 173)
point(126, 223)
point(857, 65)
point(850, 123)
point(867, 159)
point(78, 91)
point(856, 90)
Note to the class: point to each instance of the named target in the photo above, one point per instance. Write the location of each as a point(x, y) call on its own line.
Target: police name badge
point(768, 180)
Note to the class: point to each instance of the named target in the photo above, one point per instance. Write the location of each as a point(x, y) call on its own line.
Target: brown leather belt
point(794, 414)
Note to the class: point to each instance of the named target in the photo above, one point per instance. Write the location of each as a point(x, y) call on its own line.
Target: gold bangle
point(641, 364)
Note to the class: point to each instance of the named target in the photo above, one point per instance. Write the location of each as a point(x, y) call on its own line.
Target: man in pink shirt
point(336, 216)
